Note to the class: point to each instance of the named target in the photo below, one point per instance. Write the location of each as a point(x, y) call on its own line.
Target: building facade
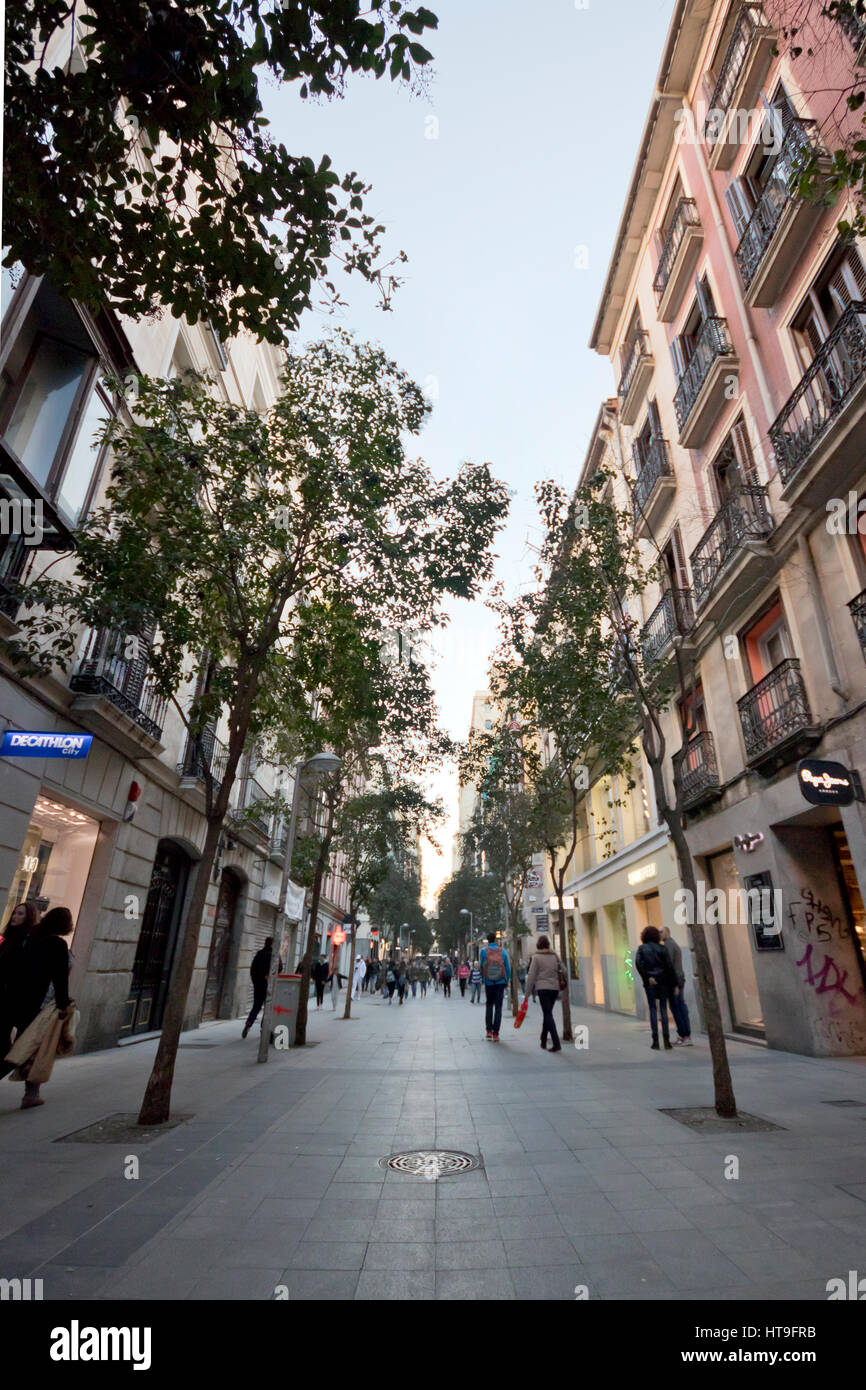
point(734, 315)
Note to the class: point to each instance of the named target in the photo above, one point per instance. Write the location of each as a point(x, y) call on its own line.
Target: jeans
point(446, 987)
point(476, 992)
point(320, 991)
point(547, 998)
point(423, 989)
point(414, 988)
point(680, 1011)
point(259, 993)
point(462, 983)
point(493, 1015)
point(658, 994)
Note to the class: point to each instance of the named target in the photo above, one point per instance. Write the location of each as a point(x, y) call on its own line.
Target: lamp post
point(319, 765)
point(400, 946)
point(464, 912)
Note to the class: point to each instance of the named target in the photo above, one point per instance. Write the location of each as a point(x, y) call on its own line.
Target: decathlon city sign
point(18, 743)
point(826, 784)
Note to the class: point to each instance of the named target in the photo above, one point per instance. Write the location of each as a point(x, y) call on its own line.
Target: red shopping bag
point(521, 1013)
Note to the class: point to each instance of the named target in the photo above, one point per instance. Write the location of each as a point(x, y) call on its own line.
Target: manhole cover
point(432, 1163)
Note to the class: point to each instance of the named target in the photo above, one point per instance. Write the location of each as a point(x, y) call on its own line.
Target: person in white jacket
point(358, 977)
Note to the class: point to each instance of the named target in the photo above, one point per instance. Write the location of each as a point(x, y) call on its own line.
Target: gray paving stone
point(543, 1250)
point(328, 1254)
point(470, 1254)
point(400, 1255)
point(325, 1285)
point(474, 1285)
point(400, 1285)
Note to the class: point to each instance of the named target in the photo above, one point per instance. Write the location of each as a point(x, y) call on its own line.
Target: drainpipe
point(733, 273)
point(816, 594)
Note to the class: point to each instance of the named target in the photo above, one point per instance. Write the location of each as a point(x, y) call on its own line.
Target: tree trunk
point(725, 1103)
point(156, 1105)
point(307, 962)
point(347, 1012)
point(567, 1030)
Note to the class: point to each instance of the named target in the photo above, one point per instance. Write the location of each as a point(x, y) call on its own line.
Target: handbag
point(561, 976)
point(521, 1013)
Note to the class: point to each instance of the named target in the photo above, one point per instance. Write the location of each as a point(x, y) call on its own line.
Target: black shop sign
point(827, 784)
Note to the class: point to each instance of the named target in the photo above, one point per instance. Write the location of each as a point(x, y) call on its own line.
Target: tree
point(605, 559)
point(145, 175)
point(504, 831)
point(556, 638)
point(397, 900)
point(476, 893)
point(373, 830)
point(228, 535)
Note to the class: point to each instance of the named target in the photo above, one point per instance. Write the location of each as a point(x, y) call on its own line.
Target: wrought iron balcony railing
point(652, 462)
point(672, 617)
point(105, 669)
point(797, 148)
point(713, 341)
point(774, 710)
point(686, 216)
point(745, 516)
point(253, 796)
point(857, 609)
point(639, 348)
point(700, 772)
point(208, 752)
point(750, 20)
point(825, 388)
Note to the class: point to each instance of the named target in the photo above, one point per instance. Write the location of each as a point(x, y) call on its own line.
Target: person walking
point(390, 980)
point(22, 920)
point(423, 980)
point(358, 977)
point(434, 971)
point(260, 969)
point(543, 979)
point(496, 973)
point(335, 982)
point(462, 977)
point(38, 975)
point(653, 964)
point(321, 976)
point(475, 983)
point(679, 1007)
point(445, 976)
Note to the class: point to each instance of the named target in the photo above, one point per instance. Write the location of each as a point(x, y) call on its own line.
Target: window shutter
point(655, 423)
point(740, 205)
point(678, 357)
point(743, 452)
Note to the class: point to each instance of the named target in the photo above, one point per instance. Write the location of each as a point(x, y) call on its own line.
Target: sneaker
point(490, 1037)
point(496, 1037)
point(683, 1042)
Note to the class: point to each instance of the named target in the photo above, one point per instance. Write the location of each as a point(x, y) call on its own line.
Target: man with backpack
point(495, 972)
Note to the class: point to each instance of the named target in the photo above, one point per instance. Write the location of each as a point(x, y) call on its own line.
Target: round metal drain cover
point(432, 1163)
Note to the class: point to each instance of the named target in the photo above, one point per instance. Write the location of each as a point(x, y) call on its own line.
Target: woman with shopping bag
point(546, 977)
point(37, 996)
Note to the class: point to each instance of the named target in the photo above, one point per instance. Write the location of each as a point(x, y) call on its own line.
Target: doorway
point(735, 940)
point(156, 940)
point(622, 962)
point(221, 943)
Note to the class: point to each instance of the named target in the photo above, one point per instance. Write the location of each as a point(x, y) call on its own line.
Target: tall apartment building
point(115, 837)
point(735, 318)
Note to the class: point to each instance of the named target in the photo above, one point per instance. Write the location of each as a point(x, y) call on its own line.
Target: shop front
point(55, 859)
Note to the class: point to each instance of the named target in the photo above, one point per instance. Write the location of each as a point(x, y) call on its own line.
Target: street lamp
point(400, 943)
point(319, 765)
point(464, 912)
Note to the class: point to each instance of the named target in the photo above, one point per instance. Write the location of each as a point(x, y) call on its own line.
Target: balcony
point(672, 620)
point(654, 486)
point(782, 222)
point(855, 29)
point(636, 377)
point(253, 813)
point(817, 436)
point(700, 773)
point(776, 719)
point(14, 555)
point(116, 697)
point(207, 753)
point(678, 259)
point(857, 609)
point(732, 554)
point(703, 386)
point(737, 91)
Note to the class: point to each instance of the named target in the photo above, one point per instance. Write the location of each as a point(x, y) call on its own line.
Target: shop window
point(55, 858)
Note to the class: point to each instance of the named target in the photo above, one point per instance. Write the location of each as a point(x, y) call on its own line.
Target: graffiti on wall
point(826, 977)
point(814, 920)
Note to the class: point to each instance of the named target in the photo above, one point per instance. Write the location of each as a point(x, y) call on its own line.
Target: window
point(674, 574)
point(734, 465)
point(842, 281)
point(50, 406)
point(767, 642)
point(648, 438)
point(684, 345)
point(746, 191)
point(693, 713)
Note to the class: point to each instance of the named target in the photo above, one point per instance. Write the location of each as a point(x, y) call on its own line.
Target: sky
point(504, 183)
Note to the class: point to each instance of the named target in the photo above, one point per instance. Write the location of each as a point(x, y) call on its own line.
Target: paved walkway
point(275, 1183)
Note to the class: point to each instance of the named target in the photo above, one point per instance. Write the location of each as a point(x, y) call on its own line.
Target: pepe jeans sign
point(826, 784)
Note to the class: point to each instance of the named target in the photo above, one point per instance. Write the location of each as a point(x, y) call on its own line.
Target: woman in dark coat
point(40, 966)
point(22, 921)
point(655, 967)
